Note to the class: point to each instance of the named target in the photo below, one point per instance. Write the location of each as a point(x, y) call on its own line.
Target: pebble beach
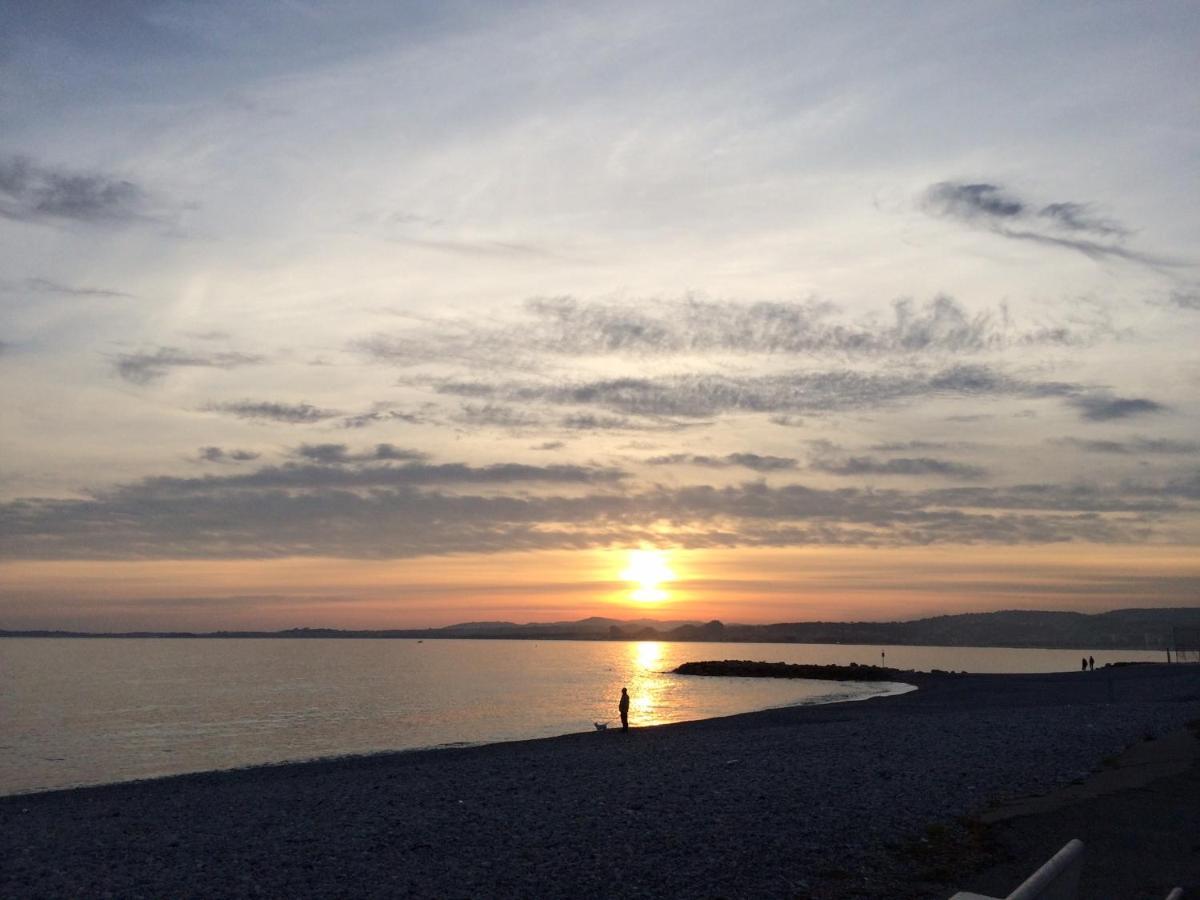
point(794, 802)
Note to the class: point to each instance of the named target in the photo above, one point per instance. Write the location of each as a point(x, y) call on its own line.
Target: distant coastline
point(1125, 629)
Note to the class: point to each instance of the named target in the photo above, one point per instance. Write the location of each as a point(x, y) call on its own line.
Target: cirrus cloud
point(274, 411)
point(1064, 224)
point(148, 367)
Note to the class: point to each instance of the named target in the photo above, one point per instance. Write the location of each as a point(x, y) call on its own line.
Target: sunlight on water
point(91, 711)
point(650, 692)
point(649, 655)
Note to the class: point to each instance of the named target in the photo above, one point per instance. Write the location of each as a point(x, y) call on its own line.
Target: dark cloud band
point(147, 367)
point(270, 411)
point(30, 191)
point(378, 510)
point(565, 326)
point(705, 395)
point(902, 465)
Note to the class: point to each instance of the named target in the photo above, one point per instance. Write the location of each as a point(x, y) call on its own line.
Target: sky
point(374, 315)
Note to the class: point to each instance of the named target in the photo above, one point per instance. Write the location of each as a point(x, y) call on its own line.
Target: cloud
point(1079, 217)
point(219, 454)
point(916, 466)
point(380, 414)
point(384, 511)
point(47, 286)
point(751, 461)
point(330, 454)
point(972, 201)
point(477, 248)
point(1064, 224)
point(366, 471)
point(324, 453)
point(1135, 446)
point(145, 368)
point(549, 445)
point(270, 411)
point(592, 422)
point(918, 446)
point(1185, 299)
point(1183, 487)
point(694, 396)
point(1105, 407)
point(589, 422)
point(492, 415)
point(990, 203)
point(1080, 497)
point(33, 192)
point(565, 326)
point(1092, 249)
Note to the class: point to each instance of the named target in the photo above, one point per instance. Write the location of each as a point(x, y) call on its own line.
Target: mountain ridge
point(1127, 629)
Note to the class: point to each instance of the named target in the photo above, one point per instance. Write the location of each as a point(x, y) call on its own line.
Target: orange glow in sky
point(734, 585)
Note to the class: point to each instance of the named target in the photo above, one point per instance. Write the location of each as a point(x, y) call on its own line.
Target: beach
point(826, 801)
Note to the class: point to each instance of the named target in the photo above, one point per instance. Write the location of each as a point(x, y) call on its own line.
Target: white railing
point(1058, 879)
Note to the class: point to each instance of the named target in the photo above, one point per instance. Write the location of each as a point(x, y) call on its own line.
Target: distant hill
point(590, 627)
point(1128, 629)
point(1122, 629)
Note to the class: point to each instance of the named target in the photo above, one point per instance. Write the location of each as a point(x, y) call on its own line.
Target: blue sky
point(453, 281)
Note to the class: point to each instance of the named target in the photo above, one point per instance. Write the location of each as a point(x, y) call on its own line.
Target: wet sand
point(801, 802)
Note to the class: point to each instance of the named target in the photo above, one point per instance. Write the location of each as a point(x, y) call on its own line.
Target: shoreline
point(793, 801)
point(336, 758)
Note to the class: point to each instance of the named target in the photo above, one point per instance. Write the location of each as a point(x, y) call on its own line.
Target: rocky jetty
point(743, 668)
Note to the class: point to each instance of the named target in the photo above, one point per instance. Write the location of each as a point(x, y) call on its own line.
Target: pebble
point(768, 804)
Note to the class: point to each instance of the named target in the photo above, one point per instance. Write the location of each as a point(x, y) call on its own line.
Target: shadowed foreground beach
point(825, 802)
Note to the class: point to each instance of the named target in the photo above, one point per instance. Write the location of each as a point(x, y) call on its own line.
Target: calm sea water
point(92, 711)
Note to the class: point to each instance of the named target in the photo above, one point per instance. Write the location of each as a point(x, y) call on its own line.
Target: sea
point(97, 710)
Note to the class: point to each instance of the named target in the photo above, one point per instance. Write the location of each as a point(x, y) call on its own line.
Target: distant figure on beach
point(1085, 664)
point(1091, 664)
point(623, 706)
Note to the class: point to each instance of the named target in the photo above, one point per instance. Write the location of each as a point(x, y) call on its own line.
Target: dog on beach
point(600, 726)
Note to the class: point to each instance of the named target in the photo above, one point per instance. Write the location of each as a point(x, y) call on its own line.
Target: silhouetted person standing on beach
point(623, 706)
point(1085, 664)
point(1091, 664)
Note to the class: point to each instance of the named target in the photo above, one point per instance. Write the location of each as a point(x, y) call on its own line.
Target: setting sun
point(648, 569)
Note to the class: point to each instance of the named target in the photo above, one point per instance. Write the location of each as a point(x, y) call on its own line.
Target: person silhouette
point(1085, 664)
point(623, 706)
point(1091, 664)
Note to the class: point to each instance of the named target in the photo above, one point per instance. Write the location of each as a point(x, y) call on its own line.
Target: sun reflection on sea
point(650, 688)
point(649, 655)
